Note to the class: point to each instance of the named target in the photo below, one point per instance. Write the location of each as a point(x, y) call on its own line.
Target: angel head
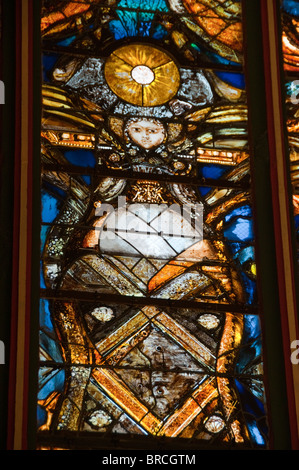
point(145, 132)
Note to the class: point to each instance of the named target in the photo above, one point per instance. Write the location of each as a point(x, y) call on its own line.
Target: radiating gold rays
point(118, 73)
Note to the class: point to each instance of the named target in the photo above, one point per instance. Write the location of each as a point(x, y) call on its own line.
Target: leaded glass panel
point(290, 46)
point(149, 315)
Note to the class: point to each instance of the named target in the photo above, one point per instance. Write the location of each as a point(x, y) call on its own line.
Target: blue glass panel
point(126, 26)
point(59, 193)
point(50, 207)
point(291, 7)
point(55, 382)
point(160, 5)
point(252, 346)
point(43, 235)
point(204, 190)
point(86, 178)
point(245, 254)
point(131, 24)
point(235, 247)
point(252, 328)
point(250, 289)
point(244, 211)
point(238, 225)
point(42, 279)
point(254, 414)
point(49, 60)
point(235, 79)
point(212, 56)
point(80, 157)
point(67, 41)
point(239, 229)
point(45, 315)
point(159, 32)
point(50, 347)
point(250, 403)
point(213, 171)
point(255, 433)
point(41, 416)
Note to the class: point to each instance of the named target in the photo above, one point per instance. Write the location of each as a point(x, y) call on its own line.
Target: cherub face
point(146, 133)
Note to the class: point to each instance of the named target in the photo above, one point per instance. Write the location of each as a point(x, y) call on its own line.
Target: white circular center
point(143, 74)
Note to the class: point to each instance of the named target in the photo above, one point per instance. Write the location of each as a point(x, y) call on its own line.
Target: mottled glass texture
point(290, 46)
point(148, 313)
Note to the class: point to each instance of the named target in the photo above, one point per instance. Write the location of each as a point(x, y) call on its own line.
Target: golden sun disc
point(142, 75)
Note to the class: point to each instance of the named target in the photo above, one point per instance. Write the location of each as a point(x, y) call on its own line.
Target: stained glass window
point(290, 47)
point(149, 320)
